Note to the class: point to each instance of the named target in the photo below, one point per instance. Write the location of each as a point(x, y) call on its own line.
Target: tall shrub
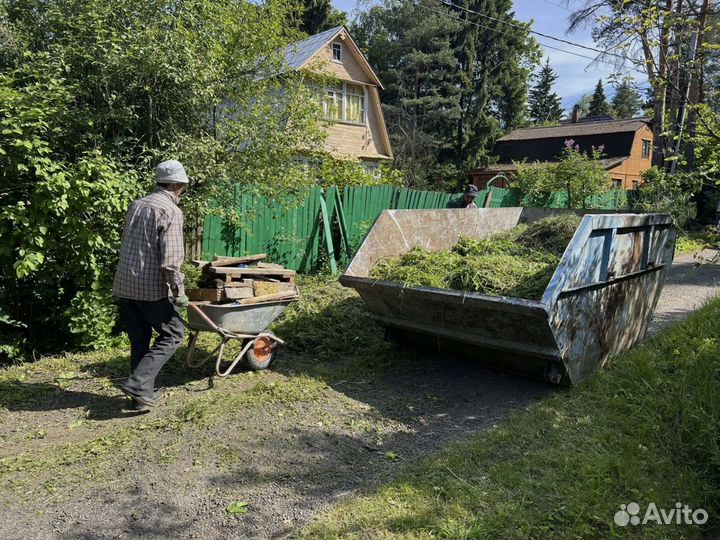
point(578, 174)
point(93, 93)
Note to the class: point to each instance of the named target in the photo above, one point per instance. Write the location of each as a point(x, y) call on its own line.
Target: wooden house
point(627, 148)
point(352, 101)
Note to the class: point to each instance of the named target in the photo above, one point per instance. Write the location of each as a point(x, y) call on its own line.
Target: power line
point(570, 52)
point(624, 58)
point(449, 3)
point(477, 24)
point(558, 5)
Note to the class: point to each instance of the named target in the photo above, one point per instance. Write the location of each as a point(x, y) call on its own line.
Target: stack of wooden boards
point(245, 280)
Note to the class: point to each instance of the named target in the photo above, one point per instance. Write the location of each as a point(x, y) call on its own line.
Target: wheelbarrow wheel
point(261, 355)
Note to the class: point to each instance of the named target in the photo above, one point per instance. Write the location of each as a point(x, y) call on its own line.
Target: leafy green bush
point(671, 194)
point(348, 173)
point(578, 174)
point(60, 222)
point(92, 96)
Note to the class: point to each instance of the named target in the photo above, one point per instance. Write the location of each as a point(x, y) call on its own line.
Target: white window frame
point(334, 93)
point(363, 108)
point(334, 46)
point(342, 89)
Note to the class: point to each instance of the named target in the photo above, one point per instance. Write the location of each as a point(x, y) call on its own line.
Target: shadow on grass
point(30, 396)
point(344, 346)
point(81, 390)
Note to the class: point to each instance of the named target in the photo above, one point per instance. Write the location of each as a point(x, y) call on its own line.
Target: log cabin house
point(627, 148)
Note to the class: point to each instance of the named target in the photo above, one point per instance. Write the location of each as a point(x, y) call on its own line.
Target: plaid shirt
point(152, 249)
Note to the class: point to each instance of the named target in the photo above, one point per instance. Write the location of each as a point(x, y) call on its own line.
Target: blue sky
point(575, 74)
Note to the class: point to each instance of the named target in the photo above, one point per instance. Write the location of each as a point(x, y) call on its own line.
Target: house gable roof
point(578, 129)
point(297, 55)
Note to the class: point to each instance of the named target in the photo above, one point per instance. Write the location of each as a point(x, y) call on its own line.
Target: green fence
point(362, 205)
point(616, 199)
point(325, 226)
point(289, 232)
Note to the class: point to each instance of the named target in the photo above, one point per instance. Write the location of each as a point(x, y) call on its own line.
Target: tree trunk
point(696, 82)
point(659, 83)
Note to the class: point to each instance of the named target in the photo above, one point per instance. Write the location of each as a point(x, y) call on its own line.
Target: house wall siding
point(631, 169)
point(356, 140)
point(349, 70)
point(353, 140)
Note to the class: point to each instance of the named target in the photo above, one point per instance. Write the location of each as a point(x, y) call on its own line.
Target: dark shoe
point(145, 401)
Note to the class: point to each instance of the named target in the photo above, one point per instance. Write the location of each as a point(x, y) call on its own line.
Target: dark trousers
point(140, 319)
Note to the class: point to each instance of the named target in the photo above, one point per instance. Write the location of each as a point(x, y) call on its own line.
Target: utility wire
point(558, 5)
point(479, 25)
point(449, 3)
point(636, 63)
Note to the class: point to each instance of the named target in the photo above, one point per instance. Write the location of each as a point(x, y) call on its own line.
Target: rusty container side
point(605, 289)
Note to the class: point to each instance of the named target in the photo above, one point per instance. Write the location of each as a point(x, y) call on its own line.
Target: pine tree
point(410, 49)
point(598, 104)
point(627, 100)
point(320, 15)
point(451, 85)
point(545, 104)
point(494, 62)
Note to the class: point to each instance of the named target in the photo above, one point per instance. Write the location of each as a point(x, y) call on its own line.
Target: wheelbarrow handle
point(207, 319)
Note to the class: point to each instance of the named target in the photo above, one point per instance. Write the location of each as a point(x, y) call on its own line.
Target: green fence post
point(328, 235)
point(342, 224)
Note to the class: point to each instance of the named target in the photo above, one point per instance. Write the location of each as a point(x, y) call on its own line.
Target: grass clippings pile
point(518, 262)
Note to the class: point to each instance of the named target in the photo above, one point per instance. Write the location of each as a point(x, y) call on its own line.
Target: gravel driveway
point(690, 284)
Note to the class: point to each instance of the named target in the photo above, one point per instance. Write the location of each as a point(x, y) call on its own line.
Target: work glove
point(181, 301)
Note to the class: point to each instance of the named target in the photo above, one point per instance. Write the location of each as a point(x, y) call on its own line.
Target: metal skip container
point(598, 303)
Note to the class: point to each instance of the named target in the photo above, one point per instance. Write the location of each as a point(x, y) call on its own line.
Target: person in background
point(148, 283)
point(467, 200)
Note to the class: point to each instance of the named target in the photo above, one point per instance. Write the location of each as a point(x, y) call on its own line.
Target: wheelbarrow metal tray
point(599, 301)
point(238, 318)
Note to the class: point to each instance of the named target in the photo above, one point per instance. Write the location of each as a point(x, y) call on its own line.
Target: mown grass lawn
point(63, 417)
point(645, 430)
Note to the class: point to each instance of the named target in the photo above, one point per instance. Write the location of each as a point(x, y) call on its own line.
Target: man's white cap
point(171, 171)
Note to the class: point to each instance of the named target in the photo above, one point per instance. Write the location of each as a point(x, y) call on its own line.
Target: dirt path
point(289, 442)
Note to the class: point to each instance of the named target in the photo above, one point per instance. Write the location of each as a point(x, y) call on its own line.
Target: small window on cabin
point(354, 103)
point(645, 149)
point(636, 184)
point(617, 183)
point(337, 52)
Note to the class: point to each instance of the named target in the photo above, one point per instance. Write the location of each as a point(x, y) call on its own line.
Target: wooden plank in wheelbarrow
point(284, 272)
point(287, 295)
point(247, 259)
point(209, 295)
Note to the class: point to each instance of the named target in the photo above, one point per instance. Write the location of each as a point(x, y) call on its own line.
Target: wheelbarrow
point(247, 323)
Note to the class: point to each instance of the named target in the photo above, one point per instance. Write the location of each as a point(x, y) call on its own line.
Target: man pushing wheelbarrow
point(149, 287)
